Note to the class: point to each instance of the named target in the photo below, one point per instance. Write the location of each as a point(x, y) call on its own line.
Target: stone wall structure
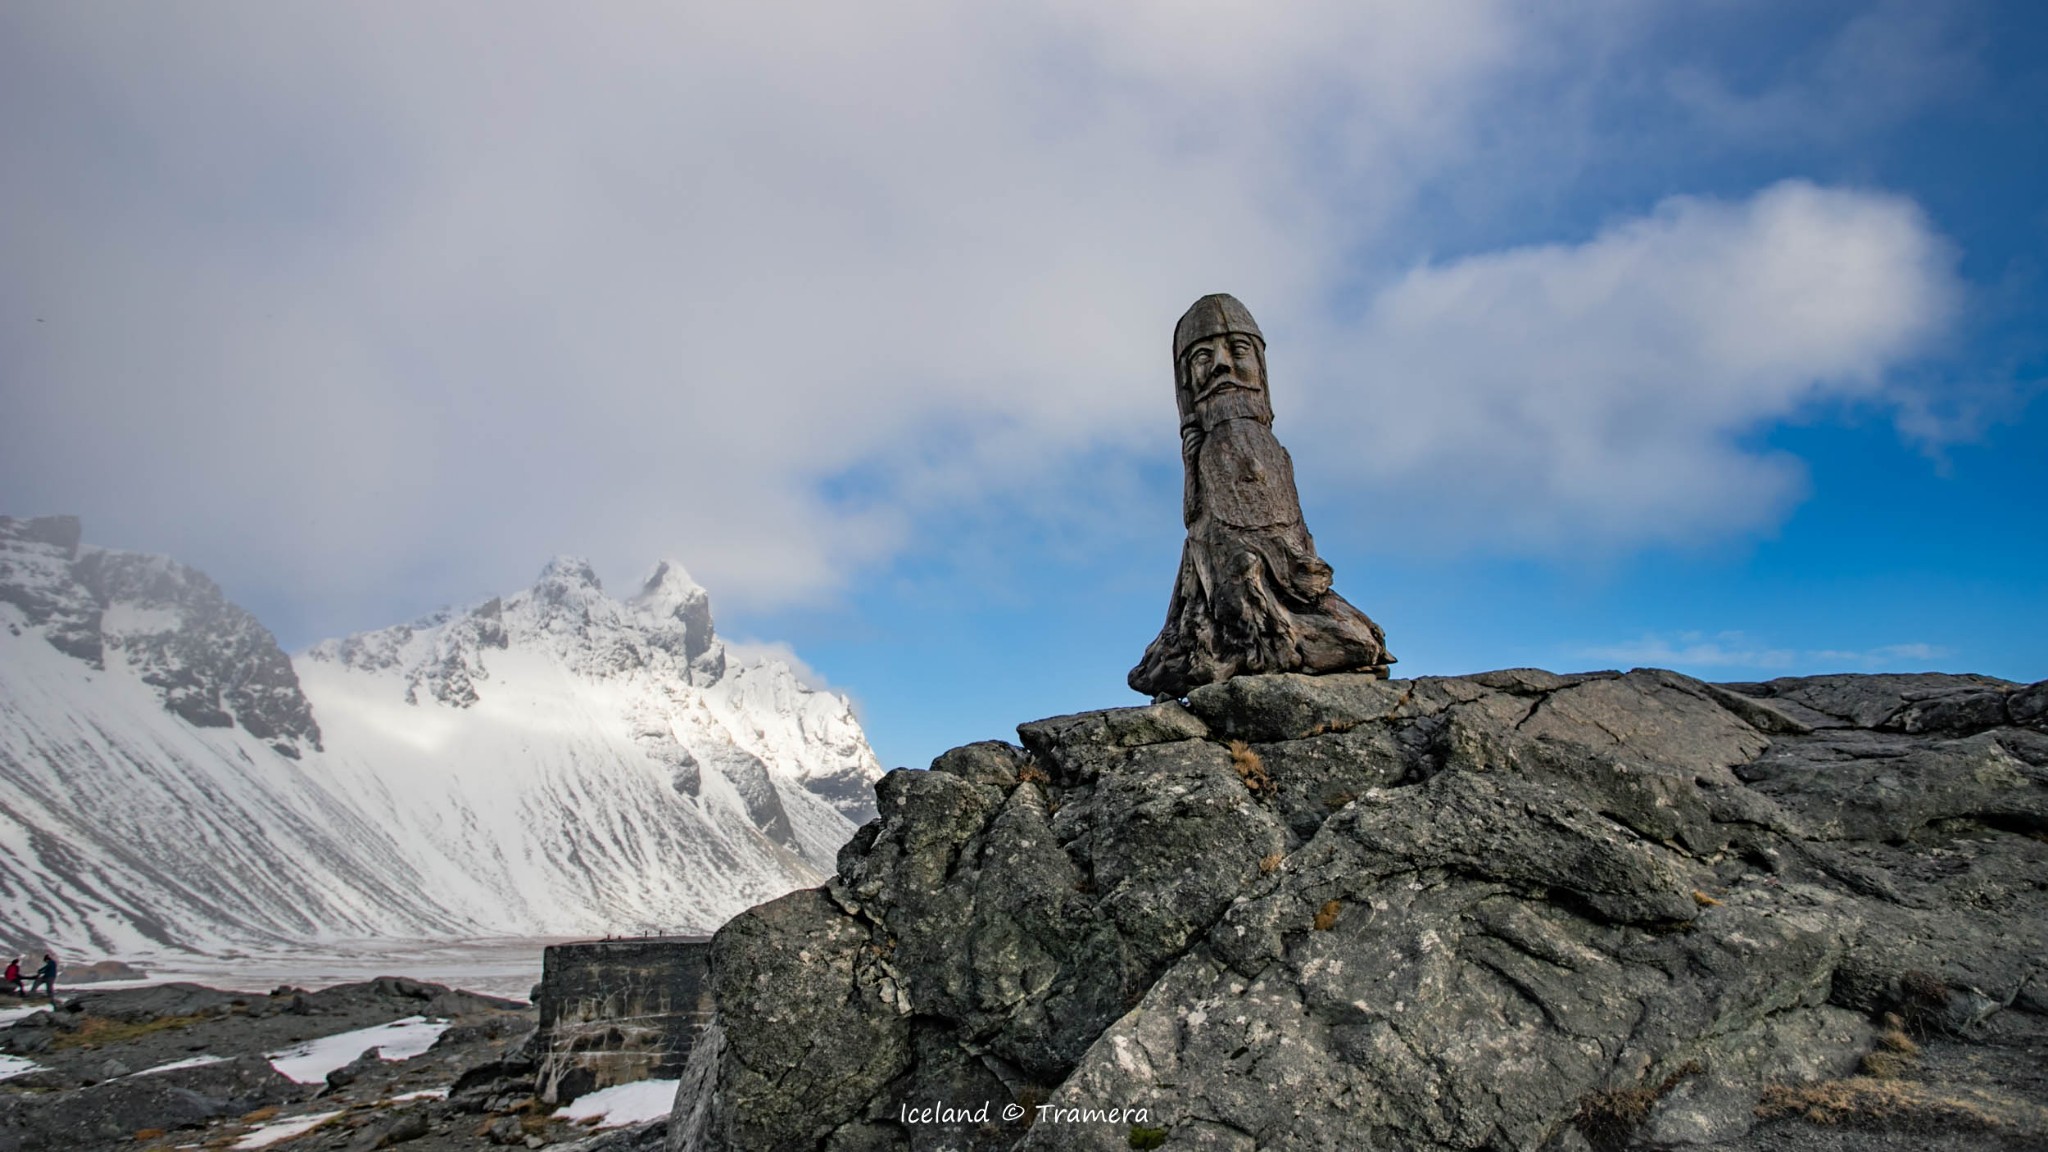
point(617, 1011)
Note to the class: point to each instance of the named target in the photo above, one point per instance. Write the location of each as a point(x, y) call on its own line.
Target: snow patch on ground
point(12, 1066)
point(309, 1063)
point(278, 1131)
point(9, 1015)
point(623, 1103)
point(188, 1062)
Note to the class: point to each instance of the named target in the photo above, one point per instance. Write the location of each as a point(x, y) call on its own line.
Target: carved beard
point(1235, 404)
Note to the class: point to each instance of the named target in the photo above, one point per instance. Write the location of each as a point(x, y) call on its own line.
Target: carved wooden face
point(1224, 362)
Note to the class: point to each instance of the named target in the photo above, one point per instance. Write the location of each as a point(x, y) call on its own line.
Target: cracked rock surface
point(1516, 910)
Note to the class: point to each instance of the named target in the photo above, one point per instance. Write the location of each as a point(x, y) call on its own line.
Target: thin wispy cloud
point(1736, 651)
point(1887, 63)
point(1891, 657)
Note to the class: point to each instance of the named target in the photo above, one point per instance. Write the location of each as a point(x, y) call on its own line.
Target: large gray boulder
point(1508, 911)
point(98, 1115)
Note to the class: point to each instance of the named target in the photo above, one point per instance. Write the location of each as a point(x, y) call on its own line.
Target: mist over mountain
point(555, 761)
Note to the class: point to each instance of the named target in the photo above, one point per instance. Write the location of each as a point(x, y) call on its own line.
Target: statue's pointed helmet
point(1214, 315)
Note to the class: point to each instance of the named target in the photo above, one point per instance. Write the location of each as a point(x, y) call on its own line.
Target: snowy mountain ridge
point(550, 762)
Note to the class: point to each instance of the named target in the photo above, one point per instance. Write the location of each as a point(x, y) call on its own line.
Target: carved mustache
point(1219, 375)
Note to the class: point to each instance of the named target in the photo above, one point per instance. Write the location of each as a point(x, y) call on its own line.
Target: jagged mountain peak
point(572, 570)
point(668, 589)
point(660, 648)
point(568, 598)
point(552, 761)
point(569, 573)
point(679, 611)
point(208, 661)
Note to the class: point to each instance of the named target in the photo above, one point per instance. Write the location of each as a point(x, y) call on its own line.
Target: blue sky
point(1708, 336)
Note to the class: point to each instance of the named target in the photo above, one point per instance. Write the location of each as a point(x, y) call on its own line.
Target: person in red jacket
point(12, 981)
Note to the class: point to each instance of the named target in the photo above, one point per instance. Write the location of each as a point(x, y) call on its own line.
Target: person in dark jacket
point(46, 976)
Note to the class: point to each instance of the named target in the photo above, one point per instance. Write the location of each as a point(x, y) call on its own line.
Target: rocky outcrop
point(1515, 910)
point(181, 1064)
point(99, 1114)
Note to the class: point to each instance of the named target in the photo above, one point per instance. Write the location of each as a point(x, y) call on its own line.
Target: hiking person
point(45, 976)
point(12, 981)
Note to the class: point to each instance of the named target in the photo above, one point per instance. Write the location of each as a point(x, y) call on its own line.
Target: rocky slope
point(155, 785)
point(1507, 911)
point(553, 762)
point(178, 1064)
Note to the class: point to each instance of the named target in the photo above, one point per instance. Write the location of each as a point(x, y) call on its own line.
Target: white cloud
point(1599, 395)
point(763, 651)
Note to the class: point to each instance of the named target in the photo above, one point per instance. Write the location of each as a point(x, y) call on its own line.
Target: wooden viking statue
point(1252, 595)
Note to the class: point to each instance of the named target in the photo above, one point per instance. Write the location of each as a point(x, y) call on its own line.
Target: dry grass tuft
point(1032, 774)
point(1407, 694)
point(1272, 862)
point(1703, 900)
point(1326, 917)
point(1869, 1101)
point(147, 1134)
point(1923, 1001)
point(1894, 1036)
point(1917, 987)
point(267, 1112)
point(1607, 1119)
point(1896, 1054)
point(98, 1030)
point(1886, 1065)
point(1250, 768)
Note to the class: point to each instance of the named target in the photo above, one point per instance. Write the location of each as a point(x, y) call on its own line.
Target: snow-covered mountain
point(552, 762)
